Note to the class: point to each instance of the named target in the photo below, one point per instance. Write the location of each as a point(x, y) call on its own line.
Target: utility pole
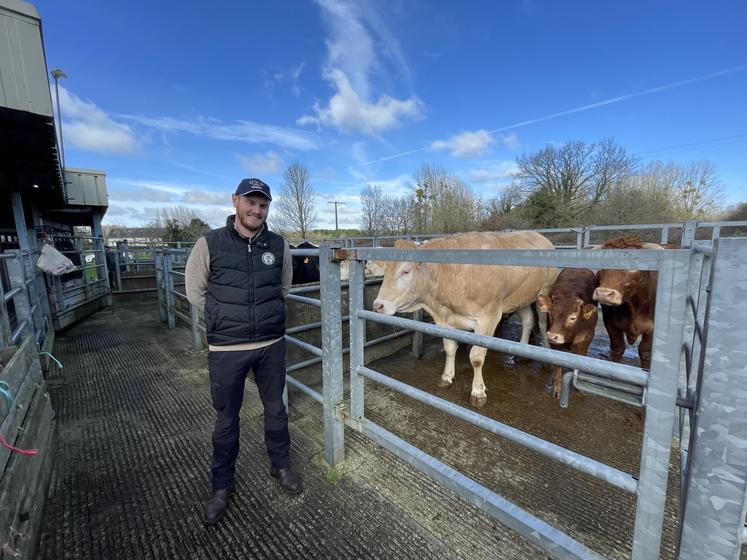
point(57, 74)
point(336, 203)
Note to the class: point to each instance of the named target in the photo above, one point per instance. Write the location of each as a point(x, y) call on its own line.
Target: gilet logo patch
point(268, 258)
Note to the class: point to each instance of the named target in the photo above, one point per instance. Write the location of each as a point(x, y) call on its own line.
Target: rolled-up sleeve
point(197, 272)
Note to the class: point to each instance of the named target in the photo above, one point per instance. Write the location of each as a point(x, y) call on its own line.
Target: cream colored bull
point(468, 297)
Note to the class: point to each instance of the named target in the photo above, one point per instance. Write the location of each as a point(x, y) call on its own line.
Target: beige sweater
point(196, 279)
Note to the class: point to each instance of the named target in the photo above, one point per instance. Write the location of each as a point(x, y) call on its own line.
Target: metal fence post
point(671, 294)
point(332, 375)
point(117, 268)
point(168, 282)
point(664, 235)
point(21, 301)
point(688, 234)
point(357, 338)
point(158, 265)
point(5, 331)
point(417, 337)
point(713, 522)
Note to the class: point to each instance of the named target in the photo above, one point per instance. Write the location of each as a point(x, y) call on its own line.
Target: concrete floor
point(135, 419)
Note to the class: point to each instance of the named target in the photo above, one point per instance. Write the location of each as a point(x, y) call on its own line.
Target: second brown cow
point(572, 315)
point(628, 299)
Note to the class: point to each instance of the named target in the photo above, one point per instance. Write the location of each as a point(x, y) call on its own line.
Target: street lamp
point(57, 74)
point(336, 203)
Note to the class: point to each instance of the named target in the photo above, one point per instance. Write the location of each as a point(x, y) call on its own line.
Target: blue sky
point(177, 101)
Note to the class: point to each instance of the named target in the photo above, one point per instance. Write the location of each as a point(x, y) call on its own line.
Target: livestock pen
point(524, 478)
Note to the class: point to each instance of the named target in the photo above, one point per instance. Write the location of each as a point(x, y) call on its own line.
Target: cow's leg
point(527, 322)
point(450, 348)
point(644, 350)
point(542, 319)
point(557, 381)
point(479, 395)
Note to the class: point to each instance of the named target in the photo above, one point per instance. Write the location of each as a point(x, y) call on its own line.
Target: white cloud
point(348, 112)
point(501, 171)
point(262, 164)
point(239, 131)
point(510, 141)
point(468, 144)
point(88, 127)
point(359, 44)
point(205, 197)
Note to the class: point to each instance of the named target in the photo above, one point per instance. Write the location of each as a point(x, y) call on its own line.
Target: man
point(240, 274)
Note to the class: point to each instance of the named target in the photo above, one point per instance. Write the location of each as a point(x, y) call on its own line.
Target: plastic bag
point(54, 262)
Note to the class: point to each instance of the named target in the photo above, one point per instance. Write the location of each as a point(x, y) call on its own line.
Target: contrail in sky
point(583, 108)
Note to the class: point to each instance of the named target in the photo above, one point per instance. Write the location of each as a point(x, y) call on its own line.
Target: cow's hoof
point(477, 402)
point(442, 383)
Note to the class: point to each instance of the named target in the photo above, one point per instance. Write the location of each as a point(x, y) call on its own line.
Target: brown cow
point(465, 296)
point(572, 315)
point(628, 298)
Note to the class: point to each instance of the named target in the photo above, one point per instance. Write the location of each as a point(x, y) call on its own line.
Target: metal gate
point(700, 348)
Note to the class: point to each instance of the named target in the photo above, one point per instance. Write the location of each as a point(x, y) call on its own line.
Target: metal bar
point(618, 372)
point(160, 286)
point(169, 290)
point(8, 295)
point(305, 345)
point(304, 364)
point(357, 338)
point(417, 336)
point(713, 522)
point(310, 326)
point(557, 544)
point(301, 299)
point(178, 273)
point(671, 293)
point(16, 334)
point(181, 295)
point(639, 259)
point(332, 373)
point(304, 389)
point(603, 472)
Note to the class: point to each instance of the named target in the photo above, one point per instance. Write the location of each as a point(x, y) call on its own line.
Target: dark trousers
point(228, 371)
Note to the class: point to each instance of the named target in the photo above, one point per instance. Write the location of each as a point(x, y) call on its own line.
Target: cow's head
point(617, 286)
point(566, 316)
point(402, 287)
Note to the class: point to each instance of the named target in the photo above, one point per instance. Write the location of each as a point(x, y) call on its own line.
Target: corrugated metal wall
point(23, 69)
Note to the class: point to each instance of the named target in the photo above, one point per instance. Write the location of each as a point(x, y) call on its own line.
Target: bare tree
point(398, 216)
point(296, 207)
point(444, 202)
point(178, 223)
point(572, 179)
point(699, 191)
point(372, 209)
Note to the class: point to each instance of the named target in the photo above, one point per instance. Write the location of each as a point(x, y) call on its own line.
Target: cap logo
point(268, 258)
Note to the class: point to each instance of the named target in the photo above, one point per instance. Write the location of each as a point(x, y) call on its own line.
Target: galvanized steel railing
point(24, 308)
point(583, 235)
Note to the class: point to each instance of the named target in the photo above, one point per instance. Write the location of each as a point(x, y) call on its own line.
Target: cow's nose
point(557, 338)
point(378, 306)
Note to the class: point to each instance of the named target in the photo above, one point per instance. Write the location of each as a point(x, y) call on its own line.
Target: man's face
point(251, 210)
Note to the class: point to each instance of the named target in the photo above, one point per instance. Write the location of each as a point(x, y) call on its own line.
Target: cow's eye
point(405, 272)
point(572, 317)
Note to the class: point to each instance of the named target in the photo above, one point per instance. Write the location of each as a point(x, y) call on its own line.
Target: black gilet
point(244, 293)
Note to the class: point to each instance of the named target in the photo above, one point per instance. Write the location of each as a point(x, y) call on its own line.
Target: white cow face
point(402, 287)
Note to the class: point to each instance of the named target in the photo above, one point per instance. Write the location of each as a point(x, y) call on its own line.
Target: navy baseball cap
point(251, 186)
